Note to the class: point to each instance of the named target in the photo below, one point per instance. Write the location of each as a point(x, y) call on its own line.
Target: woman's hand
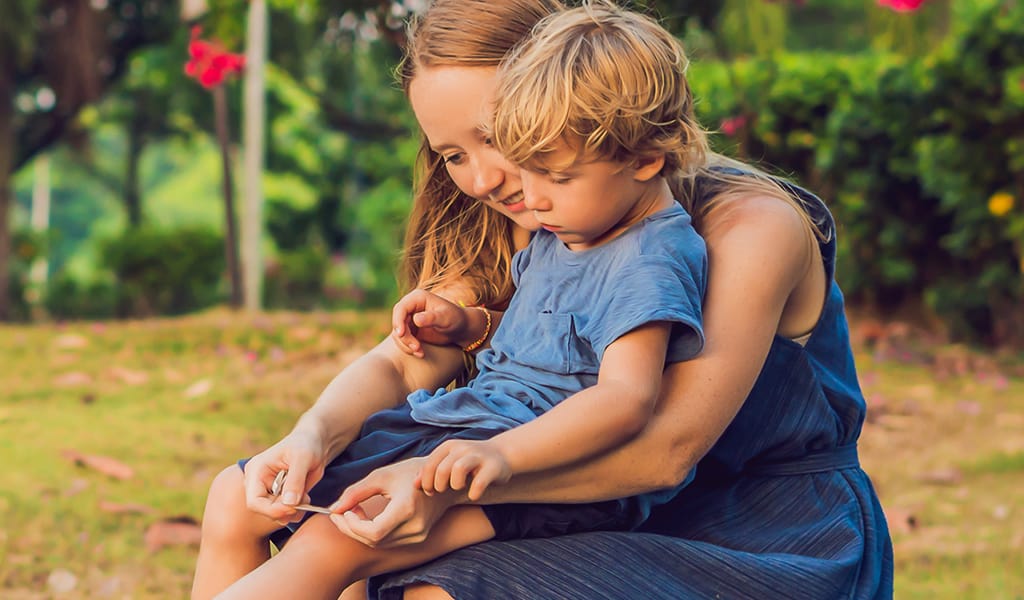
point(406, 518)
point(458, 463)
point(424, 317)
point(299, 453)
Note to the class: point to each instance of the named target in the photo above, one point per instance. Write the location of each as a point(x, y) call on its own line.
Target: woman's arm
point(380, 379)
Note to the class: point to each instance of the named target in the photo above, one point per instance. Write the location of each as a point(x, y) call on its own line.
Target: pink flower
point(733, 124)
point(209, 63)
point(902, 6)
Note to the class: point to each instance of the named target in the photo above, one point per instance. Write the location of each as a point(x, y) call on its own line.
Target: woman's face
point(452, 105)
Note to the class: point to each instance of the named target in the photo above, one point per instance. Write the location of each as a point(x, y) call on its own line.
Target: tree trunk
point(252, 140)
point(131, 193)
point(220, 108)
point(6, 193)
point(40, 270)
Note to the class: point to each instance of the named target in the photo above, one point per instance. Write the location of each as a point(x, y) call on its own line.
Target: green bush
point(164, 271)
point(68, 297)
point(295, 278)
point(921, 160)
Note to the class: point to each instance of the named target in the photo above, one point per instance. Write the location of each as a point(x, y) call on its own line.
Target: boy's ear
point(648, 167)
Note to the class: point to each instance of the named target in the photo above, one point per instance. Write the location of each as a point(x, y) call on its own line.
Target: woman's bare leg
point(319, 561)
point(234, 539)
point(423, 591)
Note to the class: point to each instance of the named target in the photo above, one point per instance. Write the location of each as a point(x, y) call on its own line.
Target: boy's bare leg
point(319, 561)
point(425, 592)
point(234, 539)
point(356, 591)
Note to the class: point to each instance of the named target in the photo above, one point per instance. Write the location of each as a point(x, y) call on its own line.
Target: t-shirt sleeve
point(653, 289)
point(520, 260)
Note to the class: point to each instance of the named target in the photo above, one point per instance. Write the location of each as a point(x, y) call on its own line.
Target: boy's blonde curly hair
point(608, 82)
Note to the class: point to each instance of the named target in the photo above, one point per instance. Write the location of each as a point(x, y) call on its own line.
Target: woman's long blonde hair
point(453, 239)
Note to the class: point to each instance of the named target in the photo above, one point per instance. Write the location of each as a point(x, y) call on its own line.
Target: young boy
point(595, 108)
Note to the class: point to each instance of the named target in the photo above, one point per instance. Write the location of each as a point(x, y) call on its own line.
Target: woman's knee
point(226, 514)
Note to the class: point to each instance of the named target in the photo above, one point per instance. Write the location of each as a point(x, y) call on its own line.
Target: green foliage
point(919, 159)
point(295, 278)
point(69, 297)
point(163, 271)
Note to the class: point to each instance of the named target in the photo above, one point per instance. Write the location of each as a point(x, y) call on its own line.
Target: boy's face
point(452, 104)
point(587, 202)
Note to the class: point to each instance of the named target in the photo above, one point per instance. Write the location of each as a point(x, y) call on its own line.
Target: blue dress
point(779, 508)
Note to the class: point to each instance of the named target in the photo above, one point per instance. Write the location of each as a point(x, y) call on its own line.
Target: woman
point(771, 409)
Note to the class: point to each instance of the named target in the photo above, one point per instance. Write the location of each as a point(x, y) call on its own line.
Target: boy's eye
point(488, 141)
point(559, 179)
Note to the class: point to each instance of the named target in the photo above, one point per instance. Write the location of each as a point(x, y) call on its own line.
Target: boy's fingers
point(443, 475)
point(461, 471)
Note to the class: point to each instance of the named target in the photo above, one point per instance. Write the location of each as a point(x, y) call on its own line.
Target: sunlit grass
point(177, 399)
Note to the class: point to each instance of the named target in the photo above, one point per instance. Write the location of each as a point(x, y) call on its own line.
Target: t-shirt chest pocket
point(557, 348)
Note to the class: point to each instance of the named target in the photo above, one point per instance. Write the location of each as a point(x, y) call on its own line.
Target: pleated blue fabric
point(779, 508)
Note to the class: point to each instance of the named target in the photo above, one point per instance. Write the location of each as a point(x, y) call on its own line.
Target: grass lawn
point(171, 401)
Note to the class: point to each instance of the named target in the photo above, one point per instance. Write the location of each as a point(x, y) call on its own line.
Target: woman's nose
point(486, 179)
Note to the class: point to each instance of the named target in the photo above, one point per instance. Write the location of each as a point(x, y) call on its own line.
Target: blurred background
point(907, 116)
point(202, 205)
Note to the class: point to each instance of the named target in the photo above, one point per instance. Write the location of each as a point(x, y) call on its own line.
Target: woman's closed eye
point(455, 158)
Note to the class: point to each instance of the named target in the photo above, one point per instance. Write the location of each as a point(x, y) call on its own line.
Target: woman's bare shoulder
point(757, 215)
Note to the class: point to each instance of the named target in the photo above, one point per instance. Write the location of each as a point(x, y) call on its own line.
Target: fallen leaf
point(71, 341)
point(199, 388)
point(947, 476)
point(72, 379)
point(901, 520)
point(61, 581)
point(175, 531)
point(969, 407)
point(125, 508)
point(104, 464)
point(129, 376)
point(77, 486)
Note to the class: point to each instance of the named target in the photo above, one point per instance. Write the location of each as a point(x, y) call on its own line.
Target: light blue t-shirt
point(567, 308)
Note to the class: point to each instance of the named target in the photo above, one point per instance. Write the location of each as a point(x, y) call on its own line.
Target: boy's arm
point(600, 417)
point(587, 423)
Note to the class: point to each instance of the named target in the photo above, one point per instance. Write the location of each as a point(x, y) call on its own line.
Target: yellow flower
point(1000, 203)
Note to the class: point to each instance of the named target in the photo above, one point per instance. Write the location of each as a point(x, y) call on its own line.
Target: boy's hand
point(422, 316)
point(456, 463)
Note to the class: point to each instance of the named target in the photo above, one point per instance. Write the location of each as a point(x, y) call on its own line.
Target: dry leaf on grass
point(61, 581)
point(947, 476)
point(71, 340)
point(72, 379)
point(125, 508)
point(104, 464)
point(174, 531)
point(199, 388)
point(77, 486)
point(901, 520)
point(128, 376)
